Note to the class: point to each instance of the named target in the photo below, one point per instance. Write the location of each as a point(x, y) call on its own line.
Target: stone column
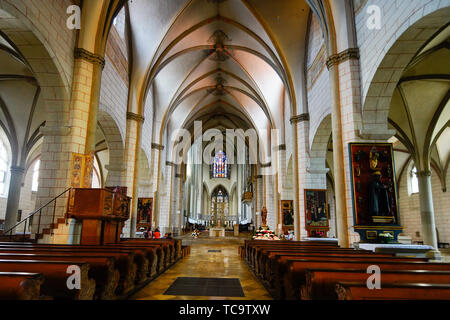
point(164, 198)
point(338, 156)
point(12, 205)
point(427, 213)
point(132, 152)
point(86, 93)
point(300, 124)
point(156, 150)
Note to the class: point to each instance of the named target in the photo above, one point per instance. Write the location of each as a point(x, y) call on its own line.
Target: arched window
point(35, 182)
point(4, 164)
point(220, 169)
point(414, 181)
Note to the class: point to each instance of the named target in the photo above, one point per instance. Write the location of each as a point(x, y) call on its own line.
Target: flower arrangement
point(265, 235)
point(195, 234)
point(385, 237)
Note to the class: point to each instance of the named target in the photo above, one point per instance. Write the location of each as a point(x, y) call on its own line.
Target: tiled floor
point(201, 263)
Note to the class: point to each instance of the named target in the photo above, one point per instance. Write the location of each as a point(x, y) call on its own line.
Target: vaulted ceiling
point(217, 58)
point(420, 107)
point(22, 109)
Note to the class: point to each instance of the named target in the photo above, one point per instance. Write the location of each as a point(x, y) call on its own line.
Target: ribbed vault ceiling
point(242, 58)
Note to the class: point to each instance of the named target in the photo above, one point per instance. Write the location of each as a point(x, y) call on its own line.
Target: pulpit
point(102, 212)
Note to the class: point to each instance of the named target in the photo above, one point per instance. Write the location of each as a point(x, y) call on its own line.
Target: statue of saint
point(264, 216)
point(378, 197)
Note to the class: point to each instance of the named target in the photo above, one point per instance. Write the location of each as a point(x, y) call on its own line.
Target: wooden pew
point(168, 245)
point(174, 244)
point(393, 291)
point(269, 257)
point(124, 261)
point(186, 250)
point(255, 251)
point(55, 275)
point(321, 283)
point(155, 253)
point(276, 261)
point(20, 285)
point(102, 269)
point(251, 245)
point(295, 276)
point(142, 264)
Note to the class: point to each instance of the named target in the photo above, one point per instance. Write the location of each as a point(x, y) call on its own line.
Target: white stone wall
point(396, 17)
point(114, 96)
point(319, 102)
point(47, 19)
point(409, 207)
point(147, 127)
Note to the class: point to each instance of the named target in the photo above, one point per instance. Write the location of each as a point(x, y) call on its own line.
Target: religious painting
point(287, 214)
point(88, 170)
point(374, 185)
point(121, 207)
point(145, 211)
point(316, 209)
point(374, 189)
point(81, 169)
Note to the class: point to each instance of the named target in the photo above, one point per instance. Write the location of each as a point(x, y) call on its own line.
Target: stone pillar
point(88, 73)
point(427, 213)
point(132, 153)
point(301, 127)
point(259, 200)
point(156, 151)
point(338, 156)
point(12, 205)
point(164, 198)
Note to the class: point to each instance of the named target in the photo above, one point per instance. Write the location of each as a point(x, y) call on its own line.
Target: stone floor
point(201, 263)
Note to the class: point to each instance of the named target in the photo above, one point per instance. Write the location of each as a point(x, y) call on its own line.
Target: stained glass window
point(220, 165)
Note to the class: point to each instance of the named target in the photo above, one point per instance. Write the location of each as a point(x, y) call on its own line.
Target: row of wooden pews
point(322, 270)
point(107, 272)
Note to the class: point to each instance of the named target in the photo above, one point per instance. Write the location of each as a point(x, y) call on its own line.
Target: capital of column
point(55, 131)
point(157, 146)
point(115, 167)
point(135, 117)
point(424, 173)
point(375, 134)
point(171, 164)
point(90, 57)
point(336, 59)
point(300, 118)
point(17, 170)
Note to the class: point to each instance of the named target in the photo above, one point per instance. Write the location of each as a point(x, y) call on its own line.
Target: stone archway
point(115, 145)
point(391, 64)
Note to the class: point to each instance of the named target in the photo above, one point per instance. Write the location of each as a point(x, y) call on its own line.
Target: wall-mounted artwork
point(81, 170)
point(374, 189)
point(316, 210)
point(287, 215)
point(145, 211)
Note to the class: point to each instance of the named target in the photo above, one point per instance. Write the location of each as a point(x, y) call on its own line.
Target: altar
point(217, 232)
point(419, 251)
